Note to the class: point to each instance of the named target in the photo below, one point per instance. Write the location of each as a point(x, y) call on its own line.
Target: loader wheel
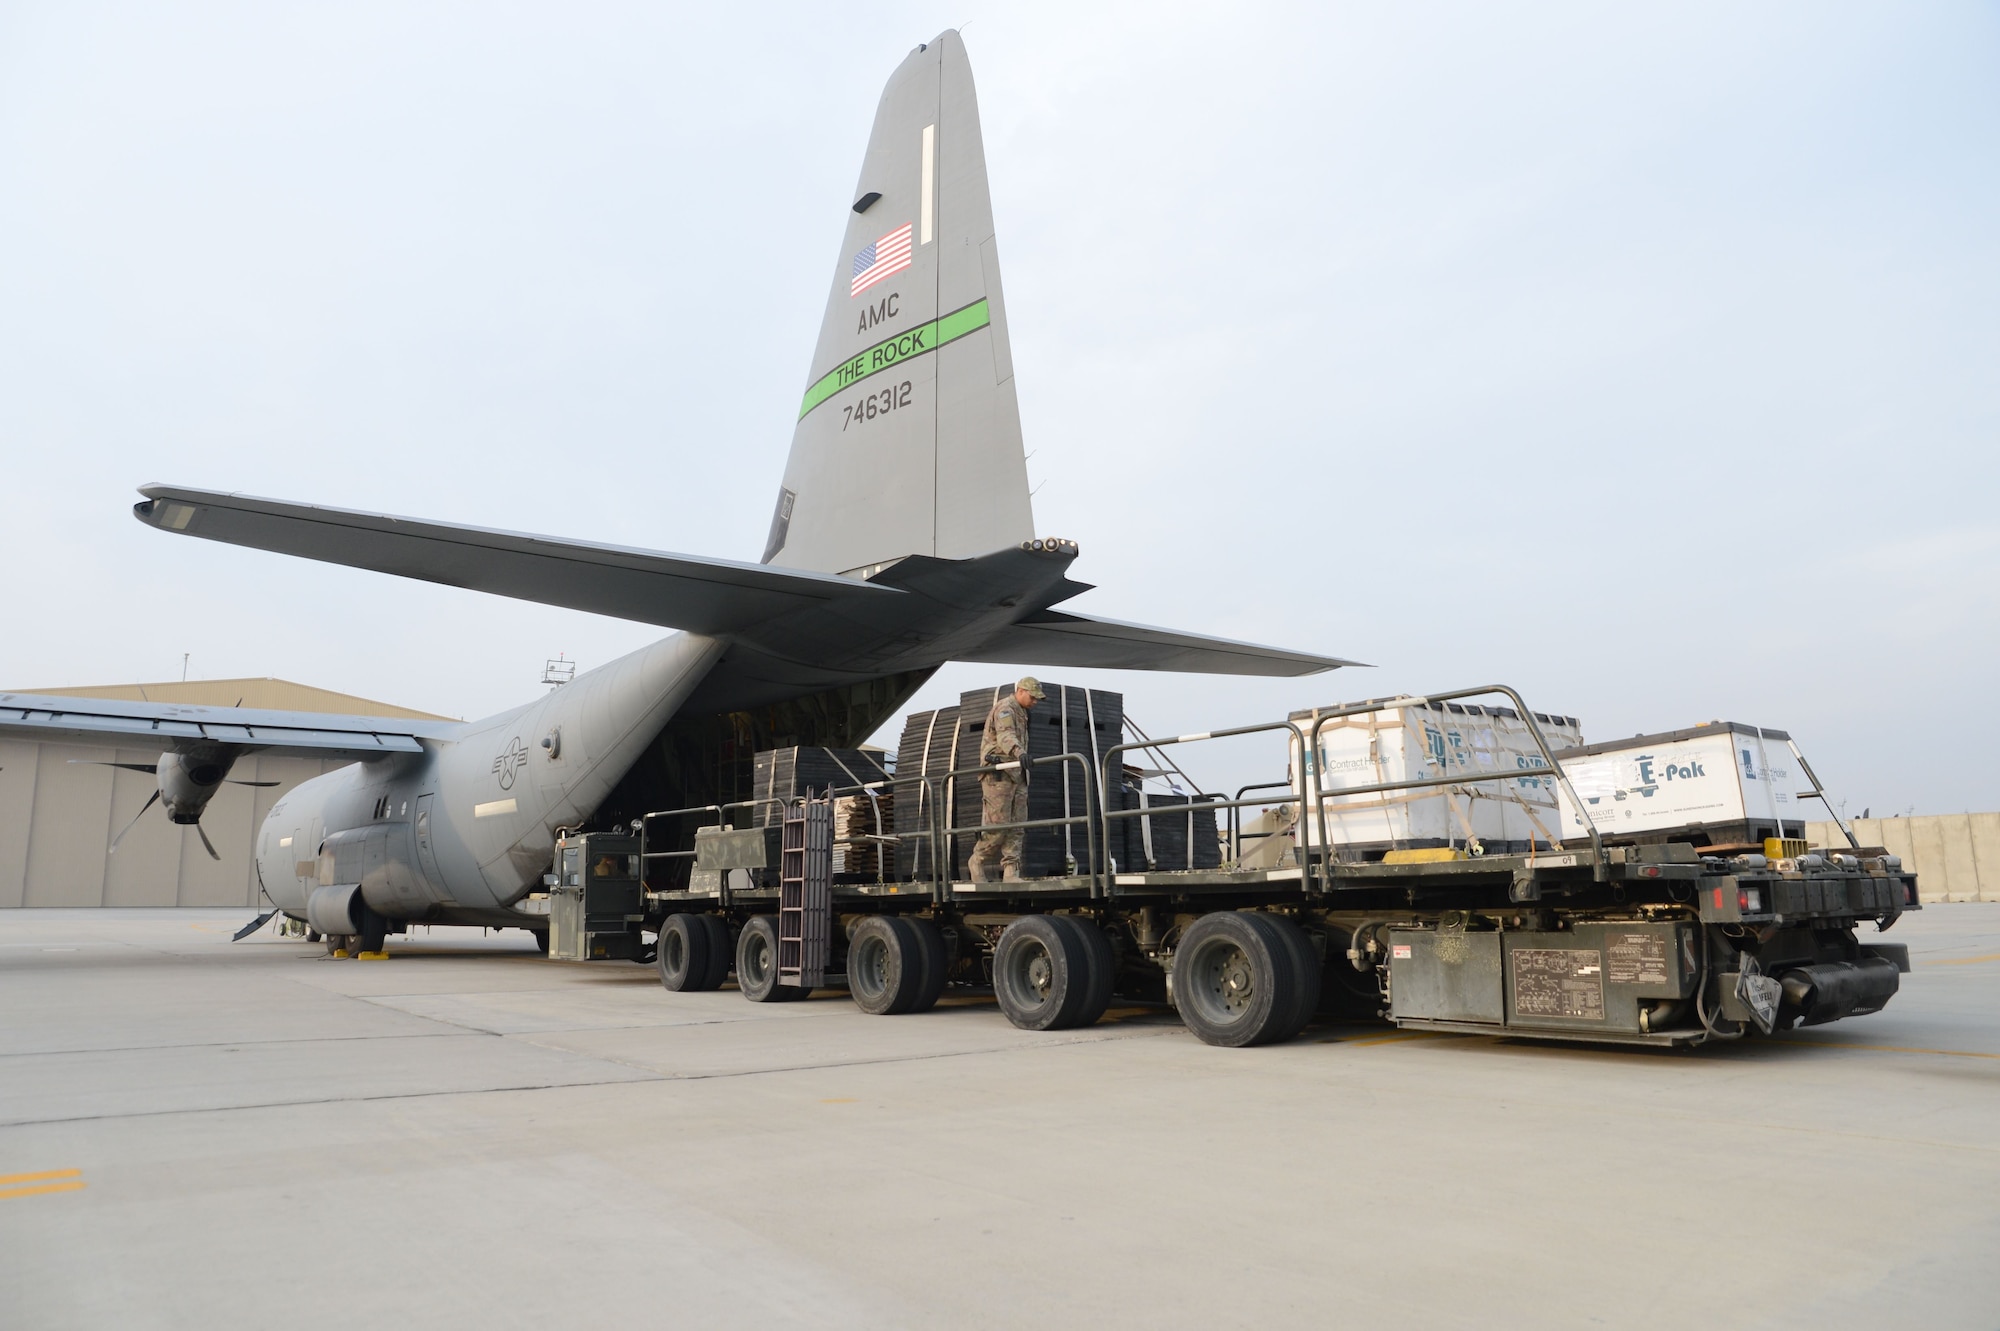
point(1235, 981)
point(887, 966)
point(683, 953)
point(721, 950)
point(1101, 968)
point(1308, 972)
point(937, 961)
point(757, 963)
point(1041, 973)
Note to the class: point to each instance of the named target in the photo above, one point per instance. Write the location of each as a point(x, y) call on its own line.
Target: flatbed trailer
point(1651, 944)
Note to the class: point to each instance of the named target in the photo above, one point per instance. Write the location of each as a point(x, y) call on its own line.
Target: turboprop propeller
point(186, 782)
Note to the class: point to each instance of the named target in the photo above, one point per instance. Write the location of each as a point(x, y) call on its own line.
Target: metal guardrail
point(1092, 800)
point(1236, 833)
point(1191, 806)
point(938, 834)
point(1319, 795)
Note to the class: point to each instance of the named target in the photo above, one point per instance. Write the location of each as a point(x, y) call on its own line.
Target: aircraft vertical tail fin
point(908, 438)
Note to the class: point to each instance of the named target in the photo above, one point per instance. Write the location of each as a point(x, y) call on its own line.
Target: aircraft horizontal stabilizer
point(706, 596)
point(1057, 639)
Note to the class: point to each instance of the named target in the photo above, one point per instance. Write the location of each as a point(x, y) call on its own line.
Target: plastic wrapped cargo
point(1413, 742)
point(1724, 783)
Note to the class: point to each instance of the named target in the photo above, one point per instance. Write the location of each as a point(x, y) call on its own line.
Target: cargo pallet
point(1651, 944)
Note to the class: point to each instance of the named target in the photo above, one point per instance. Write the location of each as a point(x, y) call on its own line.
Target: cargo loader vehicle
point(1581, 937)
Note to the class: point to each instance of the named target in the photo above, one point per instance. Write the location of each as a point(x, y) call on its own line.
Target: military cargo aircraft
point(902, 538)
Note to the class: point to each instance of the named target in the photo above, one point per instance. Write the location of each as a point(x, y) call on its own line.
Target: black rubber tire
point(721, 950)
point(541, 940)
point(1235, 980)
point(374, 933)
point(312, 935)
point(1307, 973)
point(886, 966)
point(1041, 973)
point(1100, 968)
point(757, 963)
point(937, 961)
point(682, 954)
point(336, 943)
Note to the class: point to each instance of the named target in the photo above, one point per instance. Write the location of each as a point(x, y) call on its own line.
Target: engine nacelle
point(335, 910)
point(188, 781)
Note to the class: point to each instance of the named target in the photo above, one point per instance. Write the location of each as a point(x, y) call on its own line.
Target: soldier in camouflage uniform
point(1004, 795)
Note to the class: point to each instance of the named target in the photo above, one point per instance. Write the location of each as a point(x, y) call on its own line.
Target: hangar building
point(60, 807)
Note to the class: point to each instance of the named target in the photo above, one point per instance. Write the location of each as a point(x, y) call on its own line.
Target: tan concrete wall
point(60, 806)
point(277, 695)
point(58, 816)
point(1956, 856)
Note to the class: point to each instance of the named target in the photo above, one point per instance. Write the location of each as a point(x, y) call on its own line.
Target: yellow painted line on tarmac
point(48, 1180)
point(1394, 1039)
point(46, 1187)
point(1960, 961)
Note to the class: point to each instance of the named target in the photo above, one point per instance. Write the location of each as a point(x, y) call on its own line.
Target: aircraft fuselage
point(463, 830)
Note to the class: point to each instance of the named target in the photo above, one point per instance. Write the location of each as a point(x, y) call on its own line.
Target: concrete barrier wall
point(1956, 856)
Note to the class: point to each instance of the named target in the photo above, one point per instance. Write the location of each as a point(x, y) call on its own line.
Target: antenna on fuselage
point(559, 671)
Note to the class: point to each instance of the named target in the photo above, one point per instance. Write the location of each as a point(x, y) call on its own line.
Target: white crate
point(1440, 739)
point(1725, 775)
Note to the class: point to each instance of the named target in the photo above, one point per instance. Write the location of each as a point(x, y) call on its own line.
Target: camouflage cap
point(1031, 686)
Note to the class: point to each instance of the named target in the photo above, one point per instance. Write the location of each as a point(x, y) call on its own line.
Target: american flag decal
point(885, 258)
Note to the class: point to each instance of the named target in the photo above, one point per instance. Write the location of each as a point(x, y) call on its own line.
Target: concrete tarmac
point(201, 1134)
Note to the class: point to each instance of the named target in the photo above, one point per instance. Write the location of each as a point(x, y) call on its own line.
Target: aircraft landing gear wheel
point(337, 943)
point(1235, 980)
point(686, 954)
point(541, 940)
point(888, 966)
point(374, 933)
point(1041, 973)
point(312, 935)
point(757, 963)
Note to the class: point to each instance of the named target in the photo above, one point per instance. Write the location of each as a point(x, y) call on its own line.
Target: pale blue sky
point(1643, 357)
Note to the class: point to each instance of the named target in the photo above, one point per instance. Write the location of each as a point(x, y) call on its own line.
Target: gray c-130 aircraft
point(902, 538)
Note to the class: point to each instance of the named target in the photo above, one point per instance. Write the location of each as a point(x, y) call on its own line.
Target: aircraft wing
point(1052, 637)
point(707, 596)
point(47, 717)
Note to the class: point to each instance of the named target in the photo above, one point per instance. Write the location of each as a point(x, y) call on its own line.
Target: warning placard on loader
point(1636, 958)
point(1559, 982)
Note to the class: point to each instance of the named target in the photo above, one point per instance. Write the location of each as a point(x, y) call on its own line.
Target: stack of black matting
point(929, 740)
point(1088, 722)
point(1166, 833)
point(786, 774)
